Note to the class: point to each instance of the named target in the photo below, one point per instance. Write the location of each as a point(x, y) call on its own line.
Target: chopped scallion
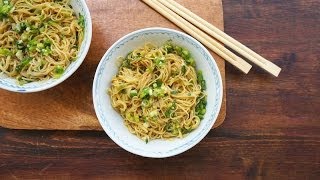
point(58, 71)
point(146, 92)
point(153, 113)
point(201, 80)
point(159, 61)
point(5, 52)
point(23, 64)
point(190, 61)
point(178, 50)
point(201, 108)
point(185, 54)
point(19, 54)
point(183, 69)
point(133, 93)
point(81, 21)
point(20, 27)
point(5, 9)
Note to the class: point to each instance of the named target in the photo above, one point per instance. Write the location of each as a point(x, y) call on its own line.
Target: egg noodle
point(38, 38)
point(158, 92)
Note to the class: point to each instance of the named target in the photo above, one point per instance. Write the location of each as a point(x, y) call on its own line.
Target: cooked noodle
point(158, 92)
point(38, 38)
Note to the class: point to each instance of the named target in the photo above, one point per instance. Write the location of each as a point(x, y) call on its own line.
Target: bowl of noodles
point(42, 42)
point(157, 92)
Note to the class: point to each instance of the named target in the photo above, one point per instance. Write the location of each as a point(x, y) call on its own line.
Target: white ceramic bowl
point(10, 84)
point(112, 122)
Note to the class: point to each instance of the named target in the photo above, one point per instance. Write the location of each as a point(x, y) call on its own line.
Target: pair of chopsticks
point(188, 21)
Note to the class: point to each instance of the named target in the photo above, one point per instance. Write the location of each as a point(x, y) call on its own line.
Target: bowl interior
point(112, 122)
point(10, 84)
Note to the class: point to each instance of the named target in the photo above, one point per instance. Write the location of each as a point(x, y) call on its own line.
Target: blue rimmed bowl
point(10, 84)
point(112, 122)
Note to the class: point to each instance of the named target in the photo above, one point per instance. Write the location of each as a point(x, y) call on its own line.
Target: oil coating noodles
point(38, 38)
point(158, 92)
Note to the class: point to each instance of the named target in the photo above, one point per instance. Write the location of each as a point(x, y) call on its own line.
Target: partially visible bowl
point(10, 84)
point(112, 122)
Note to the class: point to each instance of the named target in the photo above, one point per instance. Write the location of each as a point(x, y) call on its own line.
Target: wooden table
point(272, 129)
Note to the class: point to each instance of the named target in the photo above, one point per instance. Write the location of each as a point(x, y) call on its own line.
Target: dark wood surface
point(272, 129)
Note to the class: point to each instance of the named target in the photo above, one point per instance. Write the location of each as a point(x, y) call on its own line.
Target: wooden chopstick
point(201, 36)
point(222, 37)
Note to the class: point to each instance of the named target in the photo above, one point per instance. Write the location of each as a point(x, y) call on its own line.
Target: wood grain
point(272, 128)
point(69, 106)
